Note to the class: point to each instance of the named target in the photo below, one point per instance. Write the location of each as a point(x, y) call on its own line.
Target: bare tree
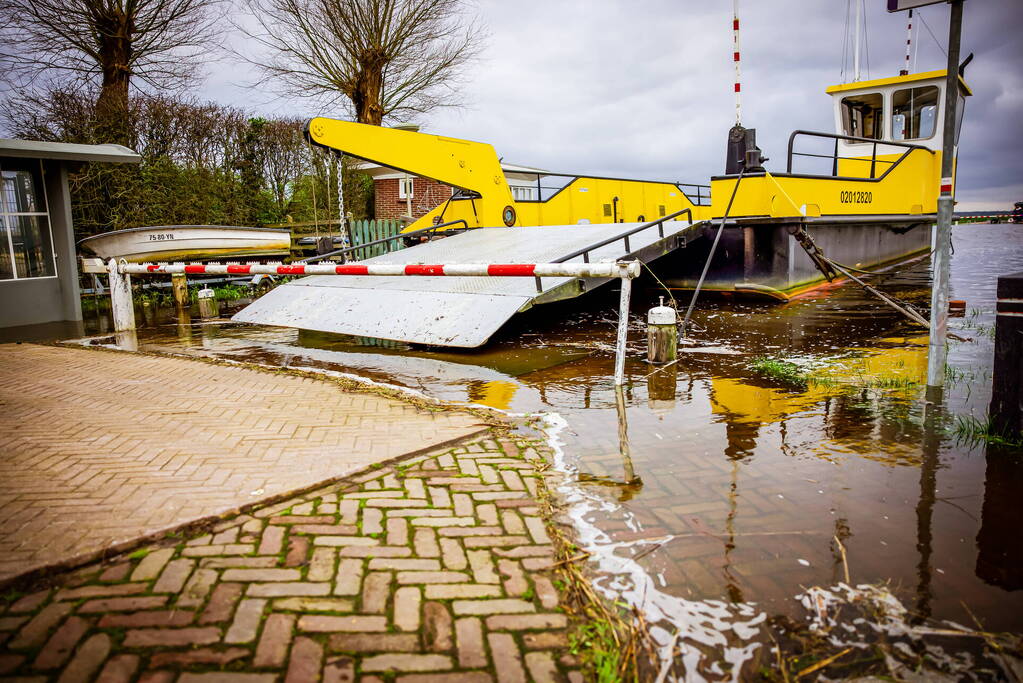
point(106, 43)
point(376, 58)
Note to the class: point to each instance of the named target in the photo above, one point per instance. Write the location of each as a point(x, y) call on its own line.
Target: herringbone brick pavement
point(431, 569)
point(98, 448)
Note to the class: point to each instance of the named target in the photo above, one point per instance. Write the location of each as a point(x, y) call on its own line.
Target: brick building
point(396, 192)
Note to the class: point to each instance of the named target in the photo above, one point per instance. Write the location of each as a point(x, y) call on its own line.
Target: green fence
point(363, 232)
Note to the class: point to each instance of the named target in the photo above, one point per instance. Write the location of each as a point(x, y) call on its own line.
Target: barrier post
point(623, 324)
point(120, 298)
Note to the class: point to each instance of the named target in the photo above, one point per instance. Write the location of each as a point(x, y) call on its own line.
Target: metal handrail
point(401, 235)
point(575, 176)
point(851, 138)
point(585, 251)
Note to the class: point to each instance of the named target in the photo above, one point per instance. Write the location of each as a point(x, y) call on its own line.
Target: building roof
point(66, 151)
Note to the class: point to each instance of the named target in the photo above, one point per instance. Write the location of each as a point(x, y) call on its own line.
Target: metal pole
point(710, 256)
point(120, 298)
point(856, 48)
point(623, 328)
point(936, 347)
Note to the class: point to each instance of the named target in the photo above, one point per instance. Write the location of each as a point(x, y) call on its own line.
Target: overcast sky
point(643, 88)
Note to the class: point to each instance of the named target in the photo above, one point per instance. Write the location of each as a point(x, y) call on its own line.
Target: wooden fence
point(363, 232)
point(359, 232)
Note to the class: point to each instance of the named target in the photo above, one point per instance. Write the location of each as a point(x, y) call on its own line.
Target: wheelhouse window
point(915, 113)
point(26, 246)
point(863, 115)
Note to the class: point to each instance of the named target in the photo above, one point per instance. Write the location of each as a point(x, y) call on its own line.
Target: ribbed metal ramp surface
point(453, 311)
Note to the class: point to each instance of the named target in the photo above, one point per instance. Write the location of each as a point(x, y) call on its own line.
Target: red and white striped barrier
point(123, 308)
point(585, 270)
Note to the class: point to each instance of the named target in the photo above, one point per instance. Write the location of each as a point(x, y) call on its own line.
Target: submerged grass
point(792, 375)
point(782, 371)
point(970, 428)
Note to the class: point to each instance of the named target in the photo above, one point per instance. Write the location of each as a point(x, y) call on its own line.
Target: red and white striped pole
point(735, 58)
point(584, 270)
point(909, 44)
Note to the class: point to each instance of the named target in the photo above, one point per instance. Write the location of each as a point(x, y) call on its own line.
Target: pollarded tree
point(376, 58)
point(106, 43)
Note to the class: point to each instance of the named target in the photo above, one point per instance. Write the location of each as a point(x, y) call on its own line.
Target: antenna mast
point(909, 44)
point(735, 57)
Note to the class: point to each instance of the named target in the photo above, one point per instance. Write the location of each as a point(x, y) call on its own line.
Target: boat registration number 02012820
point(161, 237)
point(851, 197)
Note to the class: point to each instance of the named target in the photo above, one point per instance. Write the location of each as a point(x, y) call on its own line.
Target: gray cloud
point(644, 88)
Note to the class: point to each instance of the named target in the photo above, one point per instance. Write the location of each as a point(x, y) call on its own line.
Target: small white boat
point(188, 242)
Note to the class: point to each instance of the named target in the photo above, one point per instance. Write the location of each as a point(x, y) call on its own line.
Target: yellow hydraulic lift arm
point(464, 164)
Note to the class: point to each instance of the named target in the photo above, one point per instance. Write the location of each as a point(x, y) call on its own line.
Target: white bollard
point(623, 328)
point(661, 334)
point(120, 298)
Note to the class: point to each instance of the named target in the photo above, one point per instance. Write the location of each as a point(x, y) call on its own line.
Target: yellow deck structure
point(866, 193)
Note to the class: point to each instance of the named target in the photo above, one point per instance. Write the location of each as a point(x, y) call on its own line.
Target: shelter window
point(915, 113)
point(405, 189)
point(26, 246)
point(521, 193)
point(863, 115)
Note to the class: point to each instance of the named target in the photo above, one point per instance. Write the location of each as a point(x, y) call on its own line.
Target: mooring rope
point(710, 256)
point(901, 306)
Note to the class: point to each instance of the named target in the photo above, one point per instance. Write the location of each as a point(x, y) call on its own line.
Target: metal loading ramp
point(459, 311)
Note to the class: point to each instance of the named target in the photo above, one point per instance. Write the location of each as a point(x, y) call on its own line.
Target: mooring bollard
point(121, 305)
point(1006, 409)
point(207, 304)
point(661, 334)
point(179, 286)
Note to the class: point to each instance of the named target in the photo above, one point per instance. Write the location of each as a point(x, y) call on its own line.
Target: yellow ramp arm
point(462, 163)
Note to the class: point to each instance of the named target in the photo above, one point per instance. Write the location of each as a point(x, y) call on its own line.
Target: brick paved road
point(100, 447)
point(432, 569)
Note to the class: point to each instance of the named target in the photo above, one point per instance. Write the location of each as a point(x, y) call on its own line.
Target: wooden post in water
point(179, 285)
point(1006, 409)
point(661, 334)
point(208, 304)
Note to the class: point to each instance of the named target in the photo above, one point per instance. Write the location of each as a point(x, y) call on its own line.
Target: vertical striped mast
point(909, 44)
point(735, 57)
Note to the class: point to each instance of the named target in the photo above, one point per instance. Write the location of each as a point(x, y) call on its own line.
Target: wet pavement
point(101, 448)
point(740, 491)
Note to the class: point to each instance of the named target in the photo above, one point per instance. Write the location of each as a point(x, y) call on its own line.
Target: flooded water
point(734, 492)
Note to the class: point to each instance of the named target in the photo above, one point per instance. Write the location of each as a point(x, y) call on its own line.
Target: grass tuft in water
point(971, 428)
point(782, 371)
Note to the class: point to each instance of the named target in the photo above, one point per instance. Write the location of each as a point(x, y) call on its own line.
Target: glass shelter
point(38, 264)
